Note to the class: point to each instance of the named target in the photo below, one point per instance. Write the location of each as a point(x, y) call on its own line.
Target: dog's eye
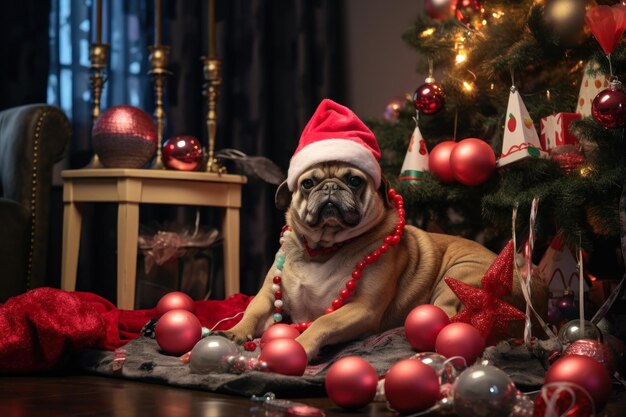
point(355, 182)
point(307, 184)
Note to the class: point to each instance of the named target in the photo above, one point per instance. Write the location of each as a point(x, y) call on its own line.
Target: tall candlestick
point(98, 21)
point(157, 23)
point(212, 48)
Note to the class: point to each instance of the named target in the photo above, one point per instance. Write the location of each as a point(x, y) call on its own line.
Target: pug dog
point(336, 205)
point(338, 210)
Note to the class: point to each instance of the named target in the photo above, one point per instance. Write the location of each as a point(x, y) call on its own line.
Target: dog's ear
point(383, 189)
point(283, 196)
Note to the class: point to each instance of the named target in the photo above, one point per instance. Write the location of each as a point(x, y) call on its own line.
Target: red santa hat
point(335, 133)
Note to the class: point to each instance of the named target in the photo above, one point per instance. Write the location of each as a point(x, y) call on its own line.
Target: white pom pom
point(278, 303)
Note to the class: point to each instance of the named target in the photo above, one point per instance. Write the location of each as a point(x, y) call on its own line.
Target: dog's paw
point(240, 339)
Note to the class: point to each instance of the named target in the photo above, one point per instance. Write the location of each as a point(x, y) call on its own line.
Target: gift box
point(555, 130)
point(594, 81)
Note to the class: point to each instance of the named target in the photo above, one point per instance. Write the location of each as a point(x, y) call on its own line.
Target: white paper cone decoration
point(593, 82)
point(520, 136)
point(559, 269)
point(416, 159)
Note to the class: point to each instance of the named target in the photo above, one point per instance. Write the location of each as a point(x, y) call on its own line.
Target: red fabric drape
point(40, 328)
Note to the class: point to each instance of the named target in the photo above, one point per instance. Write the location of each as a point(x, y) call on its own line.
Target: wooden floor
point(86, 395)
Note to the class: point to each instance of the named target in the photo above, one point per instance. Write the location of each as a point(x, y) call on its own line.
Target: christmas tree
point(495, 70)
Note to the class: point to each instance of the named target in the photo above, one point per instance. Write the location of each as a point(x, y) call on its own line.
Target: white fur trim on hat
point(341, 150)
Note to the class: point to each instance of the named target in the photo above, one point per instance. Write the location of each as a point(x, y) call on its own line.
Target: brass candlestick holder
point(158, 61)
point(98, 55)
point(212, 69)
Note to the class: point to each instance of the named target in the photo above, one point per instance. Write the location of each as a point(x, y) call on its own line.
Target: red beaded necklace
point(390, 240)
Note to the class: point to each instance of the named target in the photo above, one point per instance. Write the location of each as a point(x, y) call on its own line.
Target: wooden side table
point(131, 187)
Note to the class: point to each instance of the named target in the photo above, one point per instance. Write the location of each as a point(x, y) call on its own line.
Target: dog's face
point(332, 202)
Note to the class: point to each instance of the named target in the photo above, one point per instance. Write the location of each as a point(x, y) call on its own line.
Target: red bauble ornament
point(177, 332)
point(439, 161)
point(470, 13)
point(175, 300)
point(609, 107)
point(284, 356)
point(422, 326)
point(411, 386)
point(124, 137)
point(583, 371)
point(429, 98)
point(439, 9)
point(351, 382)
point(472, 161)
point(595, 350)
point(460, 339)
point(570, 401)
point(278, 331)
point(182, 153)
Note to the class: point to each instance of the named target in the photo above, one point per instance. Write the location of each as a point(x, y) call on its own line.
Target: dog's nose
point(330, 187)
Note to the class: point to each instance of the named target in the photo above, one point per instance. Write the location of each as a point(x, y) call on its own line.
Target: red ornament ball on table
point(423, 324)
point(175, 300)
point(351, 382)
point(439, 161)
point(472, 161)
point(583, 371)
point(460, 339)
point(124, 137)
point(284, 356)
point(182, 153)
point(608, 108)
point(411, 386)
point(177, 332)
point(429, 98)
point(278, 331)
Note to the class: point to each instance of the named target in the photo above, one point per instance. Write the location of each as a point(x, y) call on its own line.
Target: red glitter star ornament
point(483, 307)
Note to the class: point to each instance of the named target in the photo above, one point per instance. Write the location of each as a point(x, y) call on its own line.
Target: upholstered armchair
point(32, 139)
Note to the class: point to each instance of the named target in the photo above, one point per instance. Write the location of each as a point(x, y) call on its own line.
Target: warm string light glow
point(427, 33)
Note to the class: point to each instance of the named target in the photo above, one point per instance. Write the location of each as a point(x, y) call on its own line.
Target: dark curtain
point(280, 58)
point(23, 52)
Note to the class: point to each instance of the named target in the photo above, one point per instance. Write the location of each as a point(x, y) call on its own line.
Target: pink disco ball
point(124, 137)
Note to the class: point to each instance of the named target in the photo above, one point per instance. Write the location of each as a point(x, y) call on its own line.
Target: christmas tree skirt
point(145, 362)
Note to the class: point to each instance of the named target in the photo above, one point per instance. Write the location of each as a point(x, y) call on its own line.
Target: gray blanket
point(144, 361)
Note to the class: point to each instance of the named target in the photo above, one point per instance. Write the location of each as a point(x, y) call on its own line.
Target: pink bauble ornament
point(583, 371)
point(595, 350)
point(351, 382)
point(439, 9)
point(460, 339)
point(439, 161)
point(392, 110)
point(124, 137)
point(284, 356)
point(175, 300)
point(472, 161)
point(411, 386)
point(423, 324)
point(608, 108)
point(178, 331)
point(563, 399)
point(278, 331)
point(429, 98)
point(182, 153)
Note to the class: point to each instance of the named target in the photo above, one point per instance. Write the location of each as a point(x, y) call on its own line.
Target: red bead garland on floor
point(351, 285)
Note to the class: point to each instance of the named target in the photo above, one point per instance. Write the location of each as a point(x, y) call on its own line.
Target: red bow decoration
point(607, 23)
point(483, 307)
